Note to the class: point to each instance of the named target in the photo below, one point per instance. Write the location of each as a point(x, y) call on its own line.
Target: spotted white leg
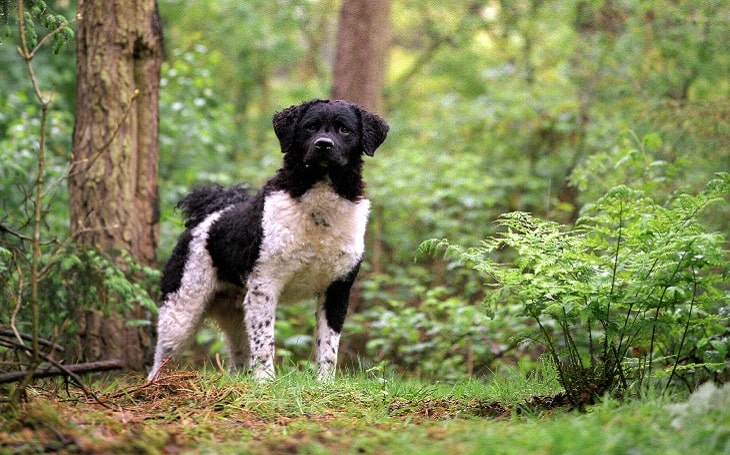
point(259, 314)
point(328, 342)
point(331, 313)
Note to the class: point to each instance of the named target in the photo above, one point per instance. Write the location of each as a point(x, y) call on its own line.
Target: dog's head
point(329, 133)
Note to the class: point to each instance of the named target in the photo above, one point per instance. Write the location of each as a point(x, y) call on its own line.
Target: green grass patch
point(357, 413)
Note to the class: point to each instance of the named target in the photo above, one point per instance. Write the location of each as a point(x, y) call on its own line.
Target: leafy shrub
point(441, 337)
point(437, 333)
point(72, 281)
point(622, 299)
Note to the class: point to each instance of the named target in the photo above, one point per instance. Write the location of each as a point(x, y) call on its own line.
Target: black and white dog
point(301, 236)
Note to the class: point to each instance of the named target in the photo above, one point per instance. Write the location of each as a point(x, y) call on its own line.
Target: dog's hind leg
point(189, 282)
point(228, 314)
point(182, 311)
point(178, 320)
point(236, 341)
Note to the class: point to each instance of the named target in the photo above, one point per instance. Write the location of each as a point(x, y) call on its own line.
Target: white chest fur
point(309, 241)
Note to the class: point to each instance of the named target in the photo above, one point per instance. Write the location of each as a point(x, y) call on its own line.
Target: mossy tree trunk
point(113, 186)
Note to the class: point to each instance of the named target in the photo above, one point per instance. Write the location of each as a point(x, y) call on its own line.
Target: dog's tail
point(206, 199)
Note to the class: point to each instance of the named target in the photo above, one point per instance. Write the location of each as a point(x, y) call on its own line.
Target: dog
point(301, 236)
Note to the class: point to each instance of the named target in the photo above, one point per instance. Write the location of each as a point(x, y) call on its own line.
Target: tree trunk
point(363, 36)
point(113, 188)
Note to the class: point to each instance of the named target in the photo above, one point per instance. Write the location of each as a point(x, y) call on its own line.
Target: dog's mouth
point(317, 163)
point(319, 159)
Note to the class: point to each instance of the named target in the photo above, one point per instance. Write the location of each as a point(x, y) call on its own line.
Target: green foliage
point(18, 159)
point(632, 288)
point(38, 14)
point(198, 136)
point(198, 130)
point(263, 51)
point(517, 108)
point(111, 283)
point(442, 337)
point(72, 281)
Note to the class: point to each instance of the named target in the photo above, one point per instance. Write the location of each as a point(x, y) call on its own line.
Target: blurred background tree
point(363, 38)
point(495, 106)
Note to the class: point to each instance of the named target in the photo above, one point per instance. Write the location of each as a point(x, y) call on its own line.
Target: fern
point(617, 297)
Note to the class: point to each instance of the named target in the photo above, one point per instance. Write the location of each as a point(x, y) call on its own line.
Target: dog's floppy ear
point(286, 121)
point(374, 131)
point(284, 125)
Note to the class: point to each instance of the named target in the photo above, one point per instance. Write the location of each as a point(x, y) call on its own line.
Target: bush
point(630, 296)
point(443, 336)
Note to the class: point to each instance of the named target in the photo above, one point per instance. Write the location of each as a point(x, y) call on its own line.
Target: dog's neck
point(297, 180)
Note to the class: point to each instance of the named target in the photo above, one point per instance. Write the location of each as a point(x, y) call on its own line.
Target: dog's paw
point(263, 373)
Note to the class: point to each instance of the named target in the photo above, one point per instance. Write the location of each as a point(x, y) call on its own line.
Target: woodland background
point(494, 106)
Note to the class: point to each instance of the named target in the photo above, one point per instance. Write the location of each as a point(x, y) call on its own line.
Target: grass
point(362, 413)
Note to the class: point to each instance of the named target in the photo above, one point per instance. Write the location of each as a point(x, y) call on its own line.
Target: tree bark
point(113, 187)
point(363, 37)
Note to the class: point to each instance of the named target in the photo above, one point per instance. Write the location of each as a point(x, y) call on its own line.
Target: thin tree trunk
point(113, 187)
point(363, 37)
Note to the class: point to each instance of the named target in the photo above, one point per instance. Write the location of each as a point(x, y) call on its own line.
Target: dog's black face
point(328, 134)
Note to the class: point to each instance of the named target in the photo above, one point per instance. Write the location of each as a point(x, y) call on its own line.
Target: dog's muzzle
point(322, 153)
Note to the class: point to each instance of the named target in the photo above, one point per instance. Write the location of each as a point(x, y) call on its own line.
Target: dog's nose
point(324, 143)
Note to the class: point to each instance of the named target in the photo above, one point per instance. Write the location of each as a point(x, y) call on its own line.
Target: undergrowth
point(629, 299)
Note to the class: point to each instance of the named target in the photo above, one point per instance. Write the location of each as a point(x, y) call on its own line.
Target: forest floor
point(191, 412)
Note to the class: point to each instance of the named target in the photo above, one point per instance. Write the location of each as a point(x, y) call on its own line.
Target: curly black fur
point(206, 199)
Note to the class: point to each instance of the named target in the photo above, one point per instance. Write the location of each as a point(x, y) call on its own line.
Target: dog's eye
point(344, 130)
point(311, 127)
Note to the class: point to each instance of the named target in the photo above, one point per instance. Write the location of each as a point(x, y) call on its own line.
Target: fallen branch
point(58, 368)
point(79, 368)
point(11, 336)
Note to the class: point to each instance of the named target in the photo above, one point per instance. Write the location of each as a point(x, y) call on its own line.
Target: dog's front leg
point(328, 342)
point(259, 307)
point(331, 313)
